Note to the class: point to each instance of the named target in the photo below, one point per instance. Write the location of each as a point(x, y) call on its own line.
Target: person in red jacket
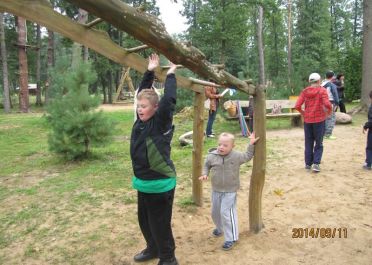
point(316, 109)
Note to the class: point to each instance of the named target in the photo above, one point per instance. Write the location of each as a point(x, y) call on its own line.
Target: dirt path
point(340, 196)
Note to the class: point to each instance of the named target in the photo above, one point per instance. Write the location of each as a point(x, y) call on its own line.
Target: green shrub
point(75, 125)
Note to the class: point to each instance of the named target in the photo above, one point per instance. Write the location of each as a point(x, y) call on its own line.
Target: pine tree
point(75, 125)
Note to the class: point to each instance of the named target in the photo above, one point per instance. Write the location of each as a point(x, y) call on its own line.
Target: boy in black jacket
point(154, 172)
point(368, 128)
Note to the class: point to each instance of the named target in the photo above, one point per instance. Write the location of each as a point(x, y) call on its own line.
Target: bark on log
point(41, 12)
point(151, 31)
point(259, 163)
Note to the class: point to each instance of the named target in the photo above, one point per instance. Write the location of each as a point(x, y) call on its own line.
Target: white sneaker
point(316, 168)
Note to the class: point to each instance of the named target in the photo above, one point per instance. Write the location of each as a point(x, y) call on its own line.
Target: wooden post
point(259, 162)
point(197, 151)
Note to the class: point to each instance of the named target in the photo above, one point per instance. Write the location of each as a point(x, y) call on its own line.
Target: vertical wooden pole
point(197, 151)
point(259, 162)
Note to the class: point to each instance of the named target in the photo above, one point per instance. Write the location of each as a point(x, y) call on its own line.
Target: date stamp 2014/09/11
point(319, 232)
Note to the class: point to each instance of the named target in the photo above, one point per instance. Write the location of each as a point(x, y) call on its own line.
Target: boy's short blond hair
point(150, 95)
point(230, 136)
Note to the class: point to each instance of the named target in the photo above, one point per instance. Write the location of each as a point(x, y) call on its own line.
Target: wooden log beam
point(219, 66)
point(259, 163)
point(151, 31)
point(197, 151)
point(94, 22)
point(167, 66)
point(202, 82)
point(41, 12)
point(138, 48)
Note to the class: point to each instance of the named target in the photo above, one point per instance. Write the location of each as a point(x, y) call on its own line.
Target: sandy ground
point(339, 198)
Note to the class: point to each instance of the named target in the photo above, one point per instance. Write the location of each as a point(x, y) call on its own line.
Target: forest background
point(300, 37)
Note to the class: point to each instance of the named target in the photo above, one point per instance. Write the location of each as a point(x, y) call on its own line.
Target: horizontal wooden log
point(138, 49)
point(167, 66)
point(270, 103)
point(151, 31)
point(94, 22)
point(41, 12)
point(202, 82)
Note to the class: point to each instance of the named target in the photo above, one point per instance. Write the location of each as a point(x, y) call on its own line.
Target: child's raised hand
point(204, 177)
point(153, 62)
point(172, 68)
point(253, 138)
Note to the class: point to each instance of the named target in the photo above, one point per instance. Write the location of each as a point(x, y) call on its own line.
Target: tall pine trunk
point(110, 84)
point(77, 48)
point(38, 66)
point(103, 83)
point(5, 66)
point(367, 52)
point(289, 55)
point(355, 25)
point(223, 32)
point(23, 67)
point(84, 20)
point(50, 63)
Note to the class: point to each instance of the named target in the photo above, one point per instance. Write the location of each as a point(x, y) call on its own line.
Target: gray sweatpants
point(224, 214)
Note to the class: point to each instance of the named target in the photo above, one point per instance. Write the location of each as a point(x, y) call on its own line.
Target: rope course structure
point(151, 31)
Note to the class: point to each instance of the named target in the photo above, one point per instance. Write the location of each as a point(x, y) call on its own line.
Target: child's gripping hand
point(204, 177)
point(253, 138)
point(172, 68)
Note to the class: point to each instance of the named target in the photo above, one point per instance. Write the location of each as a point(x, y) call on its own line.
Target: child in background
point(367, 129)
point(223, 163)
point(334, 99)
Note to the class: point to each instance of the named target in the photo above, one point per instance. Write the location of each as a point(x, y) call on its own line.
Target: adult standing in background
point(317, 108)
point(211, 93)
point(339, 82)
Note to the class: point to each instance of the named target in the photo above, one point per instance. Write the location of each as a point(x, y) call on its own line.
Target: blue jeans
point(314, 133)
point(211, 118)
point(369, 148)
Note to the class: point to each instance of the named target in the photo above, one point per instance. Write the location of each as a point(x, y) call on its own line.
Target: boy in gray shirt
point(223, 163)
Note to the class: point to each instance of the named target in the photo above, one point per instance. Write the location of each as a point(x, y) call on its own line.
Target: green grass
point(53, 211)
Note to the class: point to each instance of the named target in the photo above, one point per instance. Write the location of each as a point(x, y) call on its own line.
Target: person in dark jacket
point(154, 173)
point(367, 128)
point(333, 98)
point(317, 108)
point(339, 82)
